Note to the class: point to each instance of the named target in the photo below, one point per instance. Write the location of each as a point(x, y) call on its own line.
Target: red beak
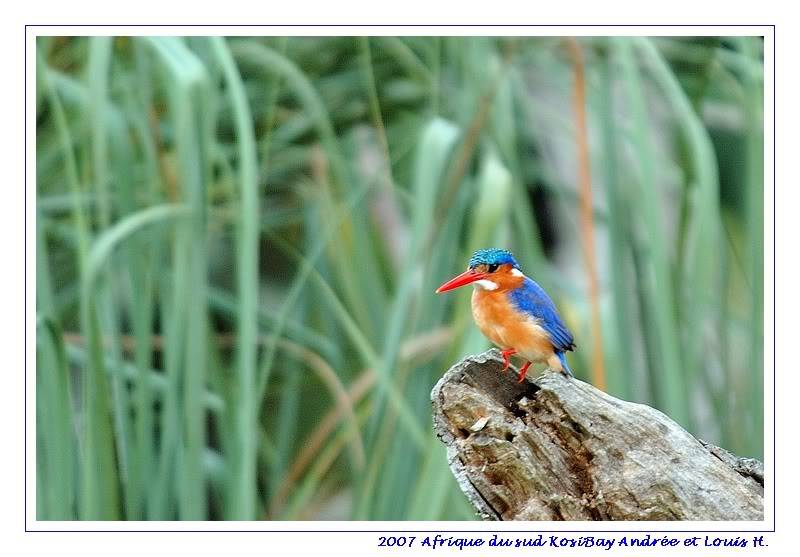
point(464, 278)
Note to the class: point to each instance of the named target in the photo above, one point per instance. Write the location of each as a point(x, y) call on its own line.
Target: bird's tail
point(563, 358)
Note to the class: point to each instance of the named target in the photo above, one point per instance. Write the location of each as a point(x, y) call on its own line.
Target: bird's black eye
point(493, 267)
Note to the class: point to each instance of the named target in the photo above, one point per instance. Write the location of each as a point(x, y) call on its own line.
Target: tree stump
point(556, 448)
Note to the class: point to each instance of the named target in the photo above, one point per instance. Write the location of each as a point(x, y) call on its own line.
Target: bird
point(514, 312)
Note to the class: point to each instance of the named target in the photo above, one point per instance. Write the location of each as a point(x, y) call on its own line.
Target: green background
point(238, 241)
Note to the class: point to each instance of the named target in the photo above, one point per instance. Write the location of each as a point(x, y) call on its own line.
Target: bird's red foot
point(506, 355)
point(523, 371)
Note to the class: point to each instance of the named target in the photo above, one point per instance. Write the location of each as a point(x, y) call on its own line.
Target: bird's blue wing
point(531, 299)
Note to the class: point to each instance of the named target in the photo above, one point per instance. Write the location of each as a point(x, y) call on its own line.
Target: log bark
point(556, 448)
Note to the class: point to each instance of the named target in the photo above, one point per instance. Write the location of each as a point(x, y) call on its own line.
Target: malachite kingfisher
point(514, 312)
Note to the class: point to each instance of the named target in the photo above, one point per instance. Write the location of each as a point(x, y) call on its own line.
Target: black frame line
point(383, 25)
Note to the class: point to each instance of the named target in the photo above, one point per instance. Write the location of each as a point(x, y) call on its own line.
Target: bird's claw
point(523, 371)
point(507, 358)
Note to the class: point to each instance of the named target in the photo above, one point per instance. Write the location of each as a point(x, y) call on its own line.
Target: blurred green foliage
point(238, 242)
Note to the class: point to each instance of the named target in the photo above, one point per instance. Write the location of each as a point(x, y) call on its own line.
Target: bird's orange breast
point(507, 327)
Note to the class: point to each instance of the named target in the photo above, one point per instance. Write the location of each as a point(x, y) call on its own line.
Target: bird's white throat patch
point(486, 284)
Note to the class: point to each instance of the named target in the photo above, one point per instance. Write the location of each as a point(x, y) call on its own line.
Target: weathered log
point(556, 448)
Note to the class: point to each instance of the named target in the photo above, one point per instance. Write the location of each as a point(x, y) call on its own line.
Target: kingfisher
point(514, 312)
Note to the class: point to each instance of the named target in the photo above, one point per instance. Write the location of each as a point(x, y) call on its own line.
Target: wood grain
point(555, 448)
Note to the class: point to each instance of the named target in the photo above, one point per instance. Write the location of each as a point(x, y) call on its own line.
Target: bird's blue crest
point(492, 256)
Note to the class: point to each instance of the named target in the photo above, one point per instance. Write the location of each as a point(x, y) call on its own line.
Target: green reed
point(238, 242)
